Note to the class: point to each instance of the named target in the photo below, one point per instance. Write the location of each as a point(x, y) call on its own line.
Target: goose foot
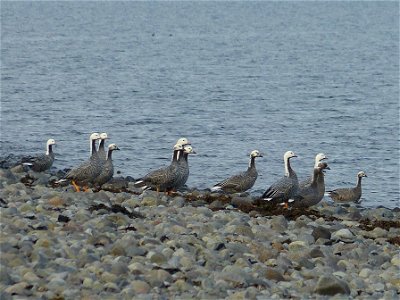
point(76, 187)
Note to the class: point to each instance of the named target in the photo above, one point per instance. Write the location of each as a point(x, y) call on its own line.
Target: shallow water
point(232, 77)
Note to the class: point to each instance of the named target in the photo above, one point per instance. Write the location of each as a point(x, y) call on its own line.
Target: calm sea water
point(232, 77)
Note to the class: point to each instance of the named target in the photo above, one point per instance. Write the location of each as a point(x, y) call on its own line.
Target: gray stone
point(344, 235)
point(330, 285)
point(321, 232)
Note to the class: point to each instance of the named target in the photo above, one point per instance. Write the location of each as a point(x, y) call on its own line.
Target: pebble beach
point(121, 243)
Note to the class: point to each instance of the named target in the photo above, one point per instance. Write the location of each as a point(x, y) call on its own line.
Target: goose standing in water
point(348, 194)
point(163, 179)
point(183, 166)
point(107, 171)
point(86, 173)
point(318, 158)
point(241, 182)
point(313, 192)
point(285, 188)
point(41, 162)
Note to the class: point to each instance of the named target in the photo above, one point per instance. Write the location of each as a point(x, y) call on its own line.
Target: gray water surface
point(230, 76)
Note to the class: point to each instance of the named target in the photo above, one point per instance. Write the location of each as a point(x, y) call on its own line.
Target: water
point(232, 77)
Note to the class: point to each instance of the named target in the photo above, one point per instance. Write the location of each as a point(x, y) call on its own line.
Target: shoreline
point(56, 243)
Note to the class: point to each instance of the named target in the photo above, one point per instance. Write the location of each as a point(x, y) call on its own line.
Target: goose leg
point(76, 187)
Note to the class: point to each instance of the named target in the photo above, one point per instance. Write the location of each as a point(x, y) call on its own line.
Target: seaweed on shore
point(368, 225)
point(256, 207)
point(394, 240)
point(115, 208)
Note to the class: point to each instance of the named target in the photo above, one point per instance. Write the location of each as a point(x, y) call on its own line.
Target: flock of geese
point(287, 191)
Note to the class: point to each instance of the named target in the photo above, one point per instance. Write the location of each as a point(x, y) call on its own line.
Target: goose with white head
point(107, 171)
point(318, 158)
point(85, 173)
point(312, 193)
point(348, 194)
point(283, 190)
point(162, 179)
point(41, 162)
point(241, 182)
point(183, 166)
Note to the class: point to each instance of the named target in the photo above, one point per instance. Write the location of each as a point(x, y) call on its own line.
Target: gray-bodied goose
point(318, 158)
point(243, 181)
point(285, 188)
point(107, 171)
point(163, 179)
point(348, 194)
point(41, 162)
point(86, 173)
point(312, 193)
point(183, 166)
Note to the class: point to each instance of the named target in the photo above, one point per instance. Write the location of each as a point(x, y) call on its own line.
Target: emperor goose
point(107, 170)
point(41, 162)
point(348, 194)
point(285, 188)
point(85, 173)
point(318, 158)
point(183, 166)
point(241, 182)
point(163, 179)
point(313, 192)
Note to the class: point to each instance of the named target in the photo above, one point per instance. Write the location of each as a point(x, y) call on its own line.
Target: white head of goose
point(183, 141)
point(318, 158)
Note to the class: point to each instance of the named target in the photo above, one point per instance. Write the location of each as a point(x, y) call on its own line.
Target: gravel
point(117, 242)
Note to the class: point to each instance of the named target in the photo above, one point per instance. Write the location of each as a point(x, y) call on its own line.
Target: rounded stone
point(140, 287)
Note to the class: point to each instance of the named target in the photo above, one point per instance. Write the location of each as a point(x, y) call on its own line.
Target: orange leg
point(86, 189)
point(286, 205)
point(77, 189)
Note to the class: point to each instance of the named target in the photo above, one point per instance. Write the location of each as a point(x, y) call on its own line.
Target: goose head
point(320, 157)
point(113, 147)
point(255, 153)
point(183, 141)
point(50, 142)
point(103, 136)
point(361, 174)
point(288, 155)
point(95, 136)
point(178, 147)
point(188, 149)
